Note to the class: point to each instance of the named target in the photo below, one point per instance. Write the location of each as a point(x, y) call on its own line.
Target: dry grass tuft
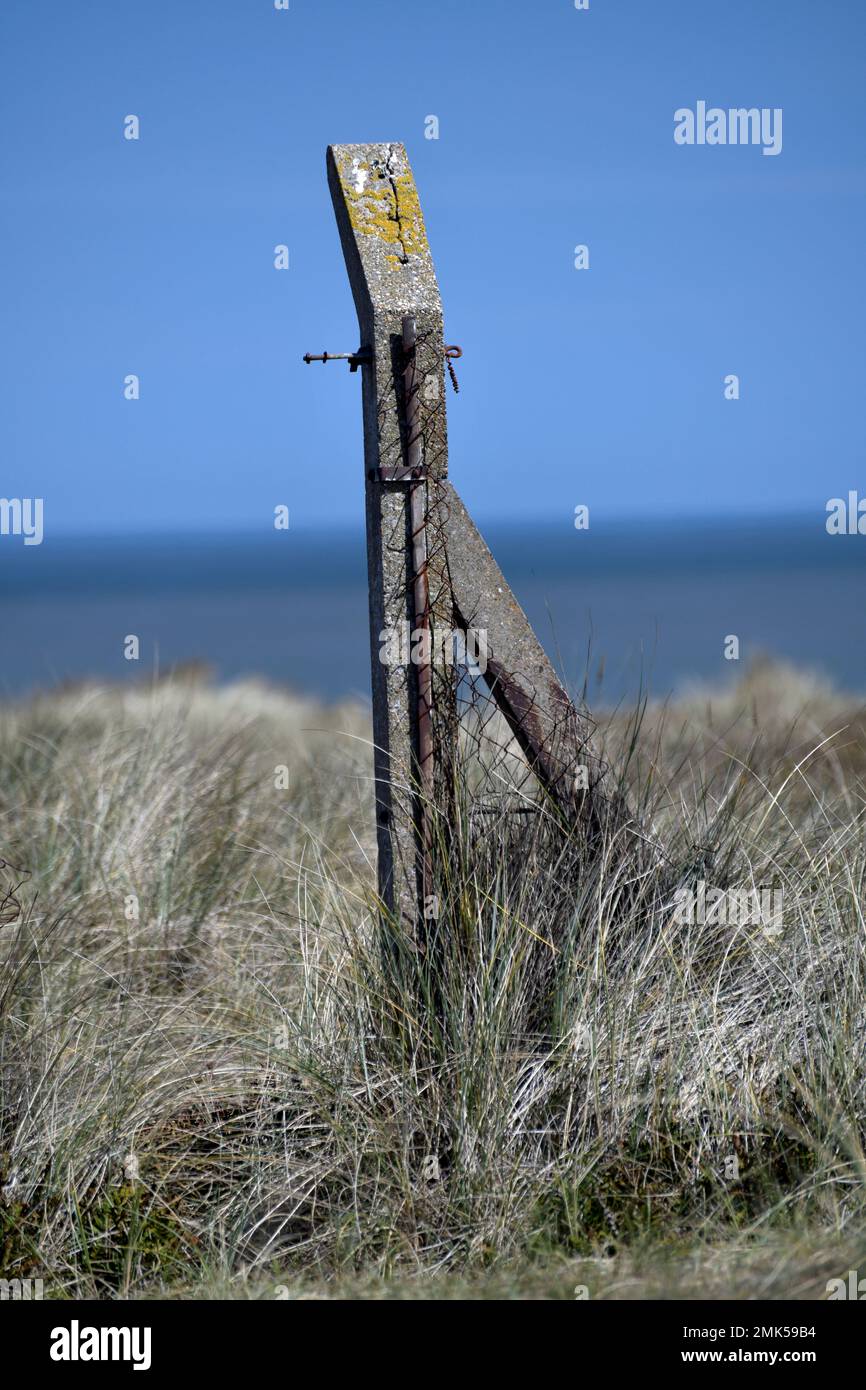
point(212, 1077)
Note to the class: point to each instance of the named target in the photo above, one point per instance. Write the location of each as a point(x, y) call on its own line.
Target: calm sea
point(646, 602)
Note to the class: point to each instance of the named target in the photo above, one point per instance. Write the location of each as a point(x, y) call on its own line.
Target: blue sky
point(602, 387)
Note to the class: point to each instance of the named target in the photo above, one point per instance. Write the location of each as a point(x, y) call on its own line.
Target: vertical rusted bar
point(421, 600)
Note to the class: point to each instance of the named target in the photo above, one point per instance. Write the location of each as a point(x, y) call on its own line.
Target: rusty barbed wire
point(469, 725)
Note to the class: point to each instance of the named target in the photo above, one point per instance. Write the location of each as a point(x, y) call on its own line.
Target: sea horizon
point(630, 604)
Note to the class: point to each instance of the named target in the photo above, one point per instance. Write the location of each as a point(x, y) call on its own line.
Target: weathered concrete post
point(429, 568)
point(400, 317)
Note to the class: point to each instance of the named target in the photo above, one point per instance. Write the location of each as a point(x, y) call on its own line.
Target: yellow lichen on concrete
point(385, 206)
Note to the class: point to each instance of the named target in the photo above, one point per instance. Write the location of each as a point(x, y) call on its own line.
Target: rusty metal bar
point(421, 597)
point(362, 358)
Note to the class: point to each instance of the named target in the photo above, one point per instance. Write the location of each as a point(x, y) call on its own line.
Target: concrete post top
point(382, 229)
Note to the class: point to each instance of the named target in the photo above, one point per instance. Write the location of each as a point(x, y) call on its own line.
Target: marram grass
point(216, 1079)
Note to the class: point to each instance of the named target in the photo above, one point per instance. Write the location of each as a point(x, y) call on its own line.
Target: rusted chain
point(453, 351)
